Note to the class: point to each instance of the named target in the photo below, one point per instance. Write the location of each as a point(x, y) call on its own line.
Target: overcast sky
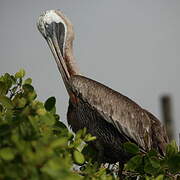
point(133, 46)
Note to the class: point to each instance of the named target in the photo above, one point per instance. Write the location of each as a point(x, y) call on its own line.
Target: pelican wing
point(128, 117)
point(159, 134)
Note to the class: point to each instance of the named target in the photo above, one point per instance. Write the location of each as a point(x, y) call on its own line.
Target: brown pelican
point(110, 116)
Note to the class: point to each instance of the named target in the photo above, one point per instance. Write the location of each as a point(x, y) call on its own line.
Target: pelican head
point(59, 34)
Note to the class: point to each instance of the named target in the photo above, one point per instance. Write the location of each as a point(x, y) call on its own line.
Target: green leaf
point(89, 138)
point(78, 157)
point(31, 96)
point(48, 119)
point(131, 148)
point(134, 163)
point(41, 111)
point(60, 142)
point(28, 81)
point(60, 125)
point(7, 80)
point(1, 108)
point(29, 92)
point(13, 79)
point(28, 88)
point(171, 149)
point(174, 163)
point(174, 145)
point(160, 177)
point(7, 153)
point(50, 103)
point(20, 102)
point(3, 88)
point(152, 152)
point(20, 74)
point(152, 165)
point(155, 162)
point(5, 129)
point(60, 128)
point(6, 102)
point(81, 133)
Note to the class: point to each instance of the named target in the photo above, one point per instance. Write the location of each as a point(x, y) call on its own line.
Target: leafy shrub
point(35, 144)
point(151, 164)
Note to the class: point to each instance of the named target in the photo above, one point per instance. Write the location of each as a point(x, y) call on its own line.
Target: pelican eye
point(49, 30)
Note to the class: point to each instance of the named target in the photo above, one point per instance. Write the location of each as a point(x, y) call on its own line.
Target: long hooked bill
point(54, 29)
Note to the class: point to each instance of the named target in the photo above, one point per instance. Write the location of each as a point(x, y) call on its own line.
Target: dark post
point(167, 115)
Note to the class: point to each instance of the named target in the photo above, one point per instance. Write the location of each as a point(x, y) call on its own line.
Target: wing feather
point(128, 117)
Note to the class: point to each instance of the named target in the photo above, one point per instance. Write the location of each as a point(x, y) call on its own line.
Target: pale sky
point(131, 46)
